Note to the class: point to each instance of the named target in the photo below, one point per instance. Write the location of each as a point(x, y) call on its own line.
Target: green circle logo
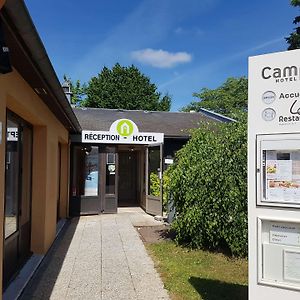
point(125, 128)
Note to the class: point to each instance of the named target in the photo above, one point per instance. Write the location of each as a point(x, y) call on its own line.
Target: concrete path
point(99, 257)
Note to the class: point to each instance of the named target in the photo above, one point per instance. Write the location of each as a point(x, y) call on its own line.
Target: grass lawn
point(196, 274)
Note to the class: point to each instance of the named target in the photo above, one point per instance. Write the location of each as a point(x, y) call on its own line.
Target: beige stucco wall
point(17, 96)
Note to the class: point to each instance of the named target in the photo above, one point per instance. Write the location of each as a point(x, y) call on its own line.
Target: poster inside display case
point(281, 176)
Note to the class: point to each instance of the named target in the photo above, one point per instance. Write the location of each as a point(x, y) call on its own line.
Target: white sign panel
point(274, 87)
point(169, 161)
point(12, 134)
point(274, 176)
point(285, 234)
point(291, 261)
point(122, 131)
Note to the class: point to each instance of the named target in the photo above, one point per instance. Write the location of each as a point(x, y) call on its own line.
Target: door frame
point(153, 203)
point(133, 172)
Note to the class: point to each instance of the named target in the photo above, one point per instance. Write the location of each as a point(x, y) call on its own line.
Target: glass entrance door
point(85, 183)
point(109, 168)
point(154, 179)
point(94, 180)
point(17, 221)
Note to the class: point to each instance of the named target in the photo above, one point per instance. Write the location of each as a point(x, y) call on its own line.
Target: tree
point(294, 39)
point(208, 187)
point(124, 88)
point(77, 89)
point(229, 99)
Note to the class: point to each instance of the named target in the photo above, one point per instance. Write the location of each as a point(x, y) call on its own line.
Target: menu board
point(282, 176)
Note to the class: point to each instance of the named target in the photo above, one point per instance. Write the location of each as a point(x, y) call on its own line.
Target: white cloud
point(179, 30)
point(151, 22)
point(160, 58)
point(201, 72)
point(194, 31)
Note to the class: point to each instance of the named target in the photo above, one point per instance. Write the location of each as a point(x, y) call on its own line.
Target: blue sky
point(182, 45)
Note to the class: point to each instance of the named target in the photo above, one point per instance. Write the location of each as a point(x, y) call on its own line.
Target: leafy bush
point(209, 189)
point(154, 184)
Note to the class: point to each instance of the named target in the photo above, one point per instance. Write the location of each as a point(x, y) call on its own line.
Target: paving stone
point(99, 257)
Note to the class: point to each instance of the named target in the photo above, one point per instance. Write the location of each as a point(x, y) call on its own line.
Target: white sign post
point(274, 176)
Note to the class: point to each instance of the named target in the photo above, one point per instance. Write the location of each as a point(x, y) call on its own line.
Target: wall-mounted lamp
point(5, 65)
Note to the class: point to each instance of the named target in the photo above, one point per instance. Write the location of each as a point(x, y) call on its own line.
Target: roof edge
point(216, 116)
point(17, 16)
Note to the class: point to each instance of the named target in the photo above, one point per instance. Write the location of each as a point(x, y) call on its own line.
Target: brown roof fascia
point(30, 59)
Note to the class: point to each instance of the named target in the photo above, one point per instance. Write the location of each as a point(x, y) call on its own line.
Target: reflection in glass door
point(12, 167)
point(91, 174)
point(17, 219)
point(109, 199)
point(85, 180)
point(110, 186)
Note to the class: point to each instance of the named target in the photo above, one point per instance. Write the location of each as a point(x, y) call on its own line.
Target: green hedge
point(209, 189)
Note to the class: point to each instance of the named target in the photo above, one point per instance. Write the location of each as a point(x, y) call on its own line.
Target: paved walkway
point(99, 257)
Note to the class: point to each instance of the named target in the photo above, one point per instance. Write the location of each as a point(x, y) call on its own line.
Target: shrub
point(154, 184)
point(209, 189)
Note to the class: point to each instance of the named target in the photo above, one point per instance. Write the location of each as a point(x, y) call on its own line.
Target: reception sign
point(122, 131)
point(12, 134)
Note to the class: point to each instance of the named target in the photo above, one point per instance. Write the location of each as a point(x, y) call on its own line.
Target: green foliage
point(124, 88)
point(77, 89)
point(209, 189)
point(229, 99)
point(295, 2)
point(154, 185)
point(78, 92)
point(294, 39)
